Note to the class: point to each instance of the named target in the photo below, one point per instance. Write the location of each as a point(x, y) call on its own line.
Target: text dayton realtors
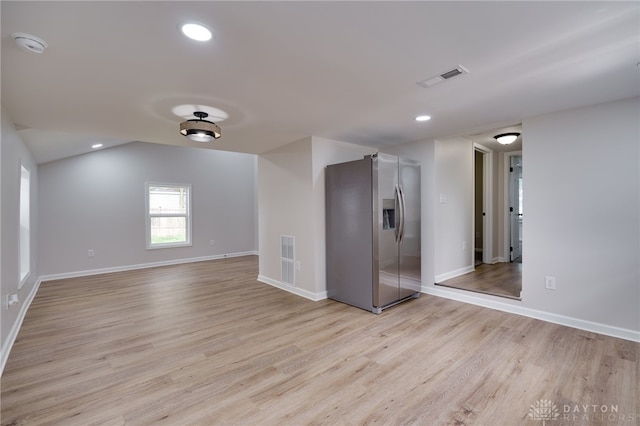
point(595, 412)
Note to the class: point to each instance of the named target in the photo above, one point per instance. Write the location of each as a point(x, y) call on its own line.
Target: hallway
point(500, 279)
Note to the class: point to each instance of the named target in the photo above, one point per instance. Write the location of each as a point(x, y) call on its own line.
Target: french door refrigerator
point(373, 231)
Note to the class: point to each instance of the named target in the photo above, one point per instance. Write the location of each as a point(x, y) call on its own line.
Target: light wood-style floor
point(206, 344)
point(500, 279)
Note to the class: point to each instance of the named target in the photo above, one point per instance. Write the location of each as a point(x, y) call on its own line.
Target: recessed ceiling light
point(196, 32)
point(96, 145)
point(423, 118)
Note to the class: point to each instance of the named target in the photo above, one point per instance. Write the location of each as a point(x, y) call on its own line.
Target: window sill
point(173, 245)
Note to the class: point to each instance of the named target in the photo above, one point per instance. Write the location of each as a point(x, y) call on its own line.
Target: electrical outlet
point(464, 246)
point(298, 265)
point(550, 283)
point(12, 299)
point(91, 253)
point(211, 242)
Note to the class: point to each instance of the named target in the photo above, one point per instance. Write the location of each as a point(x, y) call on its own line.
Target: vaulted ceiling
point(113, 71)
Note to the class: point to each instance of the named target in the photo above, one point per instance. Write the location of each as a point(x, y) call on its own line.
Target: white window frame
point(149, 215)
point(24, 207)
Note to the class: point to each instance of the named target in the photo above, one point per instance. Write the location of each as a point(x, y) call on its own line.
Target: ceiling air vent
point(459, 70)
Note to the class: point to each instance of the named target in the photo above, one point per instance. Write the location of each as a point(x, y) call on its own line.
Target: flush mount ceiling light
point(200, 130)
point(29, 42)
point(423, 118)
point(506, 138)
point(196, 32)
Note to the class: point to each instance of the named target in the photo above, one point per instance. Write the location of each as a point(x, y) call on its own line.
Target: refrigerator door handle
point(396, 225)
point(402, 206)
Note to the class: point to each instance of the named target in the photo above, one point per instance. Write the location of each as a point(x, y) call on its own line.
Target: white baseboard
point(291, 289)
point(453, 274)
point(514, 307)
point(13, 333)
point(497, 260)
point(90, 272)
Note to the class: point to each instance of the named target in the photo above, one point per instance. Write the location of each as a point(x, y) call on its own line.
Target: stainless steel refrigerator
point(373, 231)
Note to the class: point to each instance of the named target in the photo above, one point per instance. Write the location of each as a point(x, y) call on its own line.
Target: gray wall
point(96, 201)
point(13, 152)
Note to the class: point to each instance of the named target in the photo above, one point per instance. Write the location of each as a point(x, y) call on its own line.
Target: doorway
point(482, 249)
point(478, 208)
point(514, 190)
point(495, 270)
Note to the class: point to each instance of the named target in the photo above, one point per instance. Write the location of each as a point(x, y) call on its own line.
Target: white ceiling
point(286, 70)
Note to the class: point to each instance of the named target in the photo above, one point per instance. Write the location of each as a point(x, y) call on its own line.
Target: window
point(168, 209)
point(25, 216)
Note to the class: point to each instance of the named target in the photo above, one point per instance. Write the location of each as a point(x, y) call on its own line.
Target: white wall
point(582, 200)
point(291, 202)
point(96, 201)
point(325, 152)
point(285, 206)
point(453, 206)
point(13, 153)
point(496, 207)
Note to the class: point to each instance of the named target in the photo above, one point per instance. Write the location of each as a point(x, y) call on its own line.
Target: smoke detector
point(29, 43)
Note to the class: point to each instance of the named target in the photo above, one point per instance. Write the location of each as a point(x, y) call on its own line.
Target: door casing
point(507, 219)
point(487, 205)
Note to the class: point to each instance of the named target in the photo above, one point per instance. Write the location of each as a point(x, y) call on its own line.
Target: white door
point(515, 206)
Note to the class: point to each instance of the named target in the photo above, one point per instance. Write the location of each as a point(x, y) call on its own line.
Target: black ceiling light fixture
point(200, 130)
point(507, 138)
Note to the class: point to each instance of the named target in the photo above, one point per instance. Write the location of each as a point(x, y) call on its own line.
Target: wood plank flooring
point(206, 344)
point(501, 279)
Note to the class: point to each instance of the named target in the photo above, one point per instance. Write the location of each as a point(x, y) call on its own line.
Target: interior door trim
point(487, 206)
point(506, 255)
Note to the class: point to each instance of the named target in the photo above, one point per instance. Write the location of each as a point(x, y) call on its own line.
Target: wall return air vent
point(459, 70)
point(287, 259)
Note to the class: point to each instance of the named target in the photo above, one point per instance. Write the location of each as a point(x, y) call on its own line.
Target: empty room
point(318, 212)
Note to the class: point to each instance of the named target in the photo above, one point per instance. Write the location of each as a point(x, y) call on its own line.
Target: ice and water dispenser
point(388, 213)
